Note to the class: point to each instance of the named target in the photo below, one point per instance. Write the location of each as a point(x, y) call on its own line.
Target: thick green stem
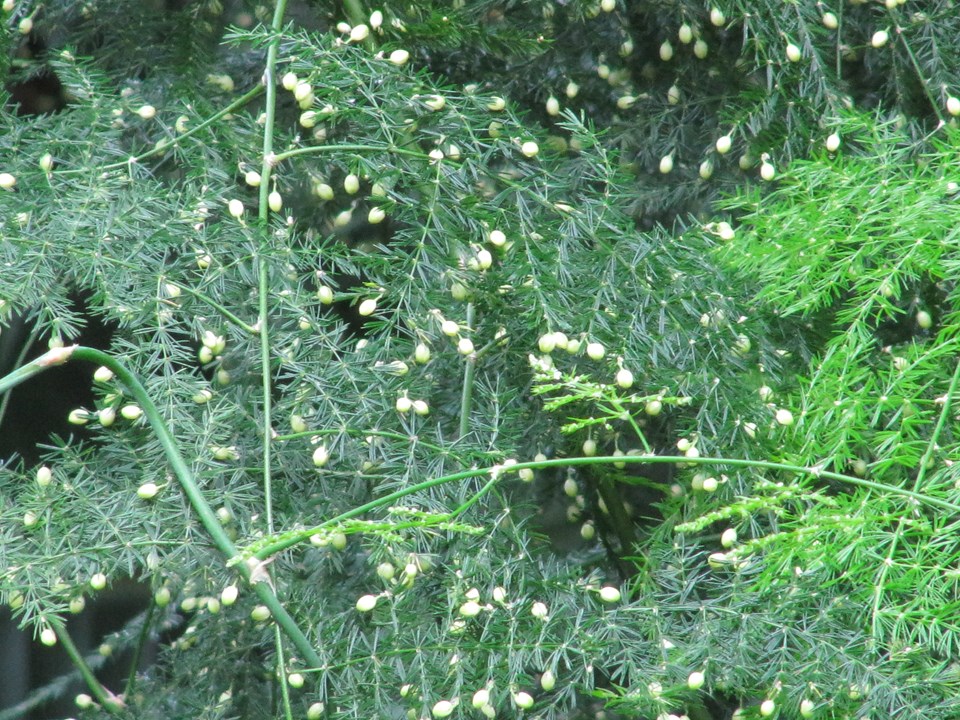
point(470, 368)
point(59, 356)
point(263, 549)
point(110, 703)
point(138, 650)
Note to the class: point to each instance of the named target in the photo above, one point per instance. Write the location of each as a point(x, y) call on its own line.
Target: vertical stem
point(263, 290)
point(263, 264)
point(27, 344)
point(107, 700)
point(281, 669)
point(466, 399)
point(138, 649)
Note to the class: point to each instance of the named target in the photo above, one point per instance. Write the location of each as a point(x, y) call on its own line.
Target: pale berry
point(666, 164)
point(376, 216)
point(595, 351)
point(275, 201)
point(302, 91)
point(359, 33)
point(610, 594)
point(685, 33)
point(148, 491)
point(530, 149)
point(399, 57)
point(321, 456)
point(553, 106)
point(523, 700)
point(723, 144)
point(44, 476)
point(420, 407)
point(295, 680)
point(728, 538)
point(767, 708)
point(624, 378)
point(351, 184)
point(793, 53)
point(421, 354)
point(443, 709)
point(547, 343)
point(48, 637)
point(484, 259)
point(471, 608)
point(98, 581)
point(366, 603)
point(260, 613)
point(367, 307)
point(833, 142)
point(953, 105)
point(589, 447)
point(666, 51)
point(696, 680)
point(131, 412)
point(7, 181)
point(235, 207)
point(830, 21)
point(146, 111)
point(879, 38)
point(229, 595)
point(700, 49)
point(806, 708)
point(784, 417)
point(717, 18)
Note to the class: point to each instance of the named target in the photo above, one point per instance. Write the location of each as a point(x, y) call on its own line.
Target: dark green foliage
point(764, 367)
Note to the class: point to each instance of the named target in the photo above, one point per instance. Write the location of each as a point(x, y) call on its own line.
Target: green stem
point(357, 432)
point(59, 356)
point(263, 264)
point(282, 675)
point(106, 699)
point(266, 547)
point(138, 649)
point(246, 327)
point(469, 370)
point(320, 149)
point(163, 147)
point(28, 343)
point(880, 584)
